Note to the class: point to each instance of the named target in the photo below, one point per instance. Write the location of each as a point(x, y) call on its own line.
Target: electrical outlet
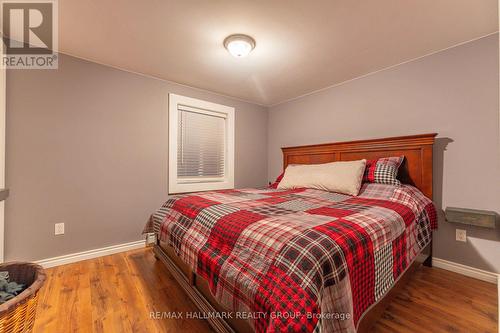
point(59, 229)
point(461, 235)
point(151, 238)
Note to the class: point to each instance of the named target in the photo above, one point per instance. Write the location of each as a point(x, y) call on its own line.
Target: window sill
point(178, 188)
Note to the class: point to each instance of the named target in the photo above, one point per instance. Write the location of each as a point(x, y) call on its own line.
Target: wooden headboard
point(416, 170)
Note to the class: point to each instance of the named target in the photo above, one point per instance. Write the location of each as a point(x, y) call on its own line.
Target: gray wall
point(454, 93)
point(87, 145)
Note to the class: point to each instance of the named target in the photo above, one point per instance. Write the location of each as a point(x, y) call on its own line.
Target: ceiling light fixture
point(239, 45)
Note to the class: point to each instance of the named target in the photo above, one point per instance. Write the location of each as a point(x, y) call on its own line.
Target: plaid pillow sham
point(383, 170)
point(277, 181)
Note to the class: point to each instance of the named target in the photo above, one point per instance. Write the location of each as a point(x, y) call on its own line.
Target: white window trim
point(208, 185)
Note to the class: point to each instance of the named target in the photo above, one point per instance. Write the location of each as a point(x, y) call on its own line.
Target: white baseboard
point(79, 256)
point(466, 270)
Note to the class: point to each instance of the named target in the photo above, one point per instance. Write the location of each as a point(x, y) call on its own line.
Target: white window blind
point(200, 145)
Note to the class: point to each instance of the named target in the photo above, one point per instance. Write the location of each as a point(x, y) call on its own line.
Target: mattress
point(300, 260)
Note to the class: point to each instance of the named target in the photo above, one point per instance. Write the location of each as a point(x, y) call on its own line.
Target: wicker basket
point(17, 315)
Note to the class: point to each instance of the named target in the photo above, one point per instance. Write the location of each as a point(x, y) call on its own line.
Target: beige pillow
point(340, 177)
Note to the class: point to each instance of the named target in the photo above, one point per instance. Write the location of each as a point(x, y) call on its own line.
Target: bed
point(302, 260)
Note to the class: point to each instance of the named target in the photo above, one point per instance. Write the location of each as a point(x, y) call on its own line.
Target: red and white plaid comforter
point(299, 260)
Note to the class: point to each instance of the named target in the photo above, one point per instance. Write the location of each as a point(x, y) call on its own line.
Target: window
point(201, 145)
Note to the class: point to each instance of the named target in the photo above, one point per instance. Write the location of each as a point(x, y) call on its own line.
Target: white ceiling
point(302, 45)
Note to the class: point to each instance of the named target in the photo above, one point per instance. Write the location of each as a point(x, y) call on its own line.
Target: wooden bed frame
point(416, 170)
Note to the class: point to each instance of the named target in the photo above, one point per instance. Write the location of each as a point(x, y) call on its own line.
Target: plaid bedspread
point(299, 260)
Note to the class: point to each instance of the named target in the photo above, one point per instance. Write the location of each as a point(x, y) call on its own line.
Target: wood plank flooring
point(118, 293)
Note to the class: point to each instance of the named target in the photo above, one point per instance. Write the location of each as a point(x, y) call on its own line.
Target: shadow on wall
point(445, 245)
point(438, 166)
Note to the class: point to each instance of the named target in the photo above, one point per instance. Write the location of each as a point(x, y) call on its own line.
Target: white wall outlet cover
point(59, 229)
point(151, 238)
point(461, 235)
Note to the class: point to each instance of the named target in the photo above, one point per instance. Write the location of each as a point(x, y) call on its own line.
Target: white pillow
point(340, 177)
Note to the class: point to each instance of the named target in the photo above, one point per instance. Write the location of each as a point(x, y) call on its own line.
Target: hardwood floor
point(117, 293)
